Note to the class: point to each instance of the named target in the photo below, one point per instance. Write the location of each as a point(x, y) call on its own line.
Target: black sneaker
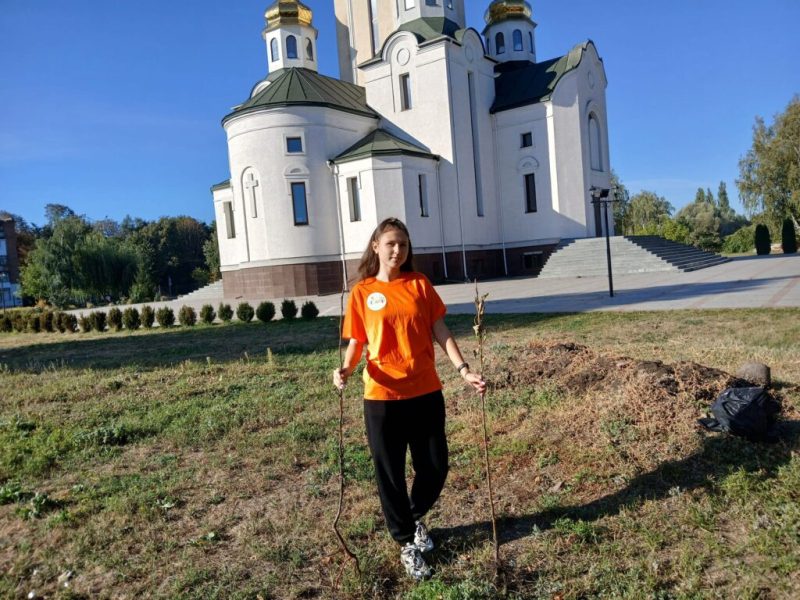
point(422, 540)
point(413, 562)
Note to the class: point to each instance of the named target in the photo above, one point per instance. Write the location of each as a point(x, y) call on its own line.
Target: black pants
point(393, 426)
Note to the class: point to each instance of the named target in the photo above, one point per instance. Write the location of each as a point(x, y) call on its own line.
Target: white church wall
point(356, 233)
point(230, 249)
point(258, 141)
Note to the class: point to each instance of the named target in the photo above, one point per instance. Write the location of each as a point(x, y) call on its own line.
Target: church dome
point(503, 10)
point(287, 12)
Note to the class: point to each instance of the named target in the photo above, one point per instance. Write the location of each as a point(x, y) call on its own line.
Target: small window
point(230, 228)
point(527, 140)
point(405, 91)
point(431, 2)
point(273, 47)
point(309, 49)
point(530, 193)
point(291, 47)
point(355, 199)
point(595, 150)
point(530, 40)
point(294, 145)
point(299, 205)
point(517, 38)
point(409, 4)
point(423, 195)
point(500, 42)
point(531, 260)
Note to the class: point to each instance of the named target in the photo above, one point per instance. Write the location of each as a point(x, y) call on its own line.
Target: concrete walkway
point(746, 282)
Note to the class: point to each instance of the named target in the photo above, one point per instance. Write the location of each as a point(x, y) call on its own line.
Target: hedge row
point(133, 319)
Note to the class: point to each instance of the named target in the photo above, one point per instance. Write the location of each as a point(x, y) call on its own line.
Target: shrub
point(186, 316)
point(98, 318)
point(58, 324)
point(46, 322)
point(148, 316)
point(309, 310)
point(207, 314)
point(115, 319)
point(18, 322)
point(762, 239)
point(165, 316)
point(68, 323)
point(34, 323)
point(788, 237)
point(130, 319)
point(6, 325)
point(739, 241)
point(288, 309)
point(245, 312)
point(85, 323)
point(265, 312)
point(225, 312)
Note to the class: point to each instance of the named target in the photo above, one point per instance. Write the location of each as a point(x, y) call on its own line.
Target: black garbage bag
point(748, 412)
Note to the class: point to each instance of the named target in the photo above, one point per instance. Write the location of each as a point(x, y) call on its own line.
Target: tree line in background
point(71, 261)
point(768, 184)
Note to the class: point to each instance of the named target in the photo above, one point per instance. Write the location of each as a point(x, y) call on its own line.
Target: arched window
point(309, 49)
point(595, 150)
point(273, 48)
point(291, 47)
point(500, 42)
point(530, 40)
point(517, 38)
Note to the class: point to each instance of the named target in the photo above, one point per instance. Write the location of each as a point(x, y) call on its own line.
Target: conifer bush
point(6, 326)
point(265, 312)
point(762, 239)
point(98, 318)
point(309, 310)
point(207, 314)
point(18, 321)
point(85, 323)
point(130, 319)
point(115, 319)
point(288, 309)
point(245, 312)
point(34, 324)
point(69, 323)
point(788, 237)
point(187, 316)
point(225, 312)
point(148, 316)
point(58, 324)
point(46, 322)
point(165, 316)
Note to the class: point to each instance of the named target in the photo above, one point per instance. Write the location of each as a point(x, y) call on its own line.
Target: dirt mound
point(632, 414)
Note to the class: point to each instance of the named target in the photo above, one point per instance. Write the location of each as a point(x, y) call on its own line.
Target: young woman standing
point(396, 313)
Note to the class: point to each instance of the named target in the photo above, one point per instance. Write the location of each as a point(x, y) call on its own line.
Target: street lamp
point(600, 196)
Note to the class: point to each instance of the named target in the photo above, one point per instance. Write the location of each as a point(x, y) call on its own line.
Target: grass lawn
point(202, 463)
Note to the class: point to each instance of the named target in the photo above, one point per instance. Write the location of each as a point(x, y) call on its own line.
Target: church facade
point(489, 155)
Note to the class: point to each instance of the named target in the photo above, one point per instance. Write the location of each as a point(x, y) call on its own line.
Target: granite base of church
point(313, 279)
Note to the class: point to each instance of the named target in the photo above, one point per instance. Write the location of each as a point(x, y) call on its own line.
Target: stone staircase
point(211, 292)
point(629, 254)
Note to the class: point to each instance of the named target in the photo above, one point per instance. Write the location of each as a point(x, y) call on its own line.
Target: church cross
point(251, 183)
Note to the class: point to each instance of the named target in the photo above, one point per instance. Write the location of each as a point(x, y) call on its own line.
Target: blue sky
point(114, 108)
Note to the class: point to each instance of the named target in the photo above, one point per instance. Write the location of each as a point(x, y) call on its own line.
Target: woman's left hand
point(476, 381)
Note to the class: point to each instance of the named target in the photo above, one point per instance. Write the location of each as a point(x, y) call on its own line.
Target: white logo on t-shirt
point(376, 301)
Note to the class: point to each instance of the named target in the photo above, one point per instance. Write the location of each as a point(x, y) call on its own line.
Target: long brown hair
point(370, 264)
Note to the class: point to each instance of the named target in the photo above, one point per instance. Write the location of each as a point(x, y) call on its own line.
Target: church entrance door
point(598, 224)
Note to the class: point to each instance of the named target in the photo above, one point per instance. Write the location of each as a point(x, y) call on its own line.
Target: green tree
point(621, 206)
point(645, 213)
point(703, 224)
point(769, 174)
point(211, 254)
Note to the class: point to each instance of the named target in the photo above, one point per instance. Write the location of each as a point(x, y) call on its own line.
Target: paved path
point(746, 282)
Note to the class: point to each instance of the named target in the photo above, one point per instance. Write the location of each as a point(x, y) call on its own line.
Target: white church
point(490, 155)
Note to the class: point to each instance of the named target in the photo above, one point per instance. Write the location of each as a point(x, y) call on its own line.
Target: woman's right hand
point(340, 377)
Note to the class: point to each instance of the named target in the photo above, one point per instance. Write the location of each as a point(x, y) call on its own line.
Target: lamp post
point(600, 196)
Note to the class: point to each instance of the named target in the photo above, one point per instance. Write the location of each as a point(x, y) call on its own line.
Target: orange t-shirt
point(395, 320)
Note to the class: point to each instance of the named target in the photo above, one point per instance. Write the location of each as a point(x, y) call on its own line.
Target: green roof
point(382, 143)
point(425, 29)
point(520, 83)
point(296, 86)
point(221, 185)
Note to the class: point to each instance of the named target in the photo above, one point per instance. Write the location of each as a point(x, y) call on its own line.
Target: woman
point(396, 312)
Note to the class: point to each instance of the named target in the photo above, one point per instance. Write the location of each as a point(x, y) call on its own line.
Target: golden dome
point(501, 10)
point(287, 12)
